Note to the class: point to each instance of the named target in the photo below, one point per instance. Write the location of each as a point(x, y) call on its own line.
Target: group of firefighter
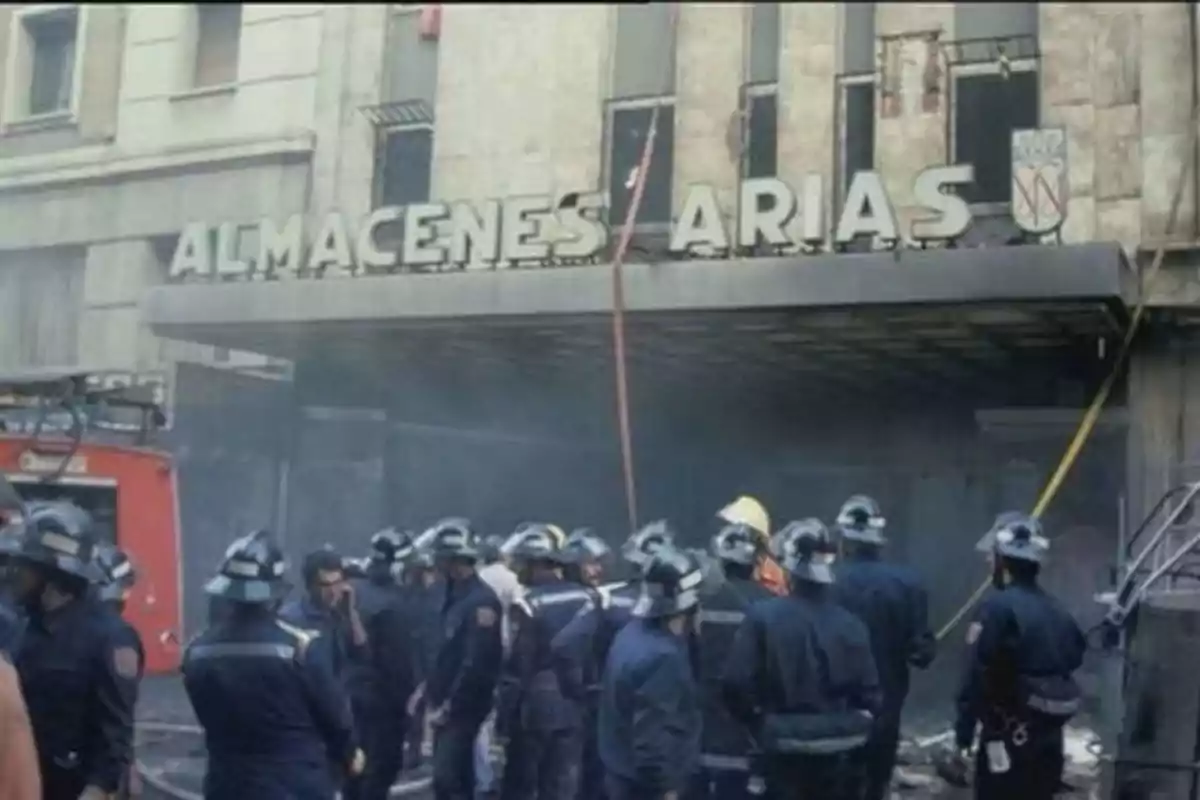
point(770, 664)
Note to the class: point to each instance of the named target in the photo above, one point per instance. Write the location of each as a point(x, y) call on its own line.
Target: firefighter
point(748, 511)
point(1024, 649)
point(650, 717)
point(801, 677)
point(725, 768)
point(327, 608)
point(580, 650)
point(893, 604)
point(117, 582)
point(274, 715)
point(585, 557)
point(386, 672)
point(458, 691)
point(426, 594)
point(79, 671)
point(531, 705)
point(11, 619)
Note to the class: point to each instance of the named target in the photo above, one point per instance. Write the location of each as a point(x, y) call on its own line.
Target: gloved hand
point(358, 763)
point(954, 766)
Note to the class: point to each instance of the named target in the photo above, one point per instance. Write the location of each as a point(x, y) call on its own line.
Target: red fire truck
point(87, 437)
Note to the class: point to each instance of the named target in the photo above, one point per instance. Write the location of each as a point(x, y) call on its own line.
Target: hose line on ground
point(1092, 415)
point(618, 291)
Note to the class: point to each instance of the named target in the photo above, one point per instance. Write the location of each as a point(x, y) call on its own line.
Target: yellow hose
point(1090, 417)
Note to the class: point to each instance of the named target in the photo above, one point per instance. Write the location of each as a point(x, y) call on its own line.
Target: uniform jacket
point(802, 655)
point(892, 603)
point(331, 629)
point(391, 664)
point(274, 716)
point(721, 615)
point(469, 653)
point(19, 776)
point(530, 695)
point(650, 720)
point(80, 667)
point(580, 650)
point(1023, 642)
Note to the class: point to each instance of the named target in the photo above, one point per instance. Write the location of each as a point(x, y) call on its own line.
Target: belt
point(1054, 708)
point(819, 747)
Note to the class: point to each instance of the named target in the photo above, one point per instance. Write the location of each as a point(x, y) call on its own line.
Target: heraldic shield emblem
point(1039, 179)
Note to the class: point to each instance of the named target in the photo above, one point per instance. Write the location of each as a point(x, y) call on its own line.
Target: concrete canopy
point(283, 318)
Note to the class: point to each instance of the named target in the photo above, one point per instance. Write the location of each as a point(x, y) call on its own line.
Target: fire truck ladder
point(71, 391)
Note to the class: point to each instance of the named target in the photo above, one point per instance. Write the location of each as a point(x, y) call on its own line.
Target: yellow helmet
point(747, 511)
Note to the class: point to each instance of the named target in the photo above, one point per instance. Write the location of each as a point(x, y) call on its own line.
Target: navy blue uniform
point(650, 719)
point(274, 716)
point(893, 604)
point(79, 674)
point(1019, 685)
point(580, 652)
point(531, 706)
point(332, 631)
point(726, 744)
point(461, 684)
point(11, 625)
point(381, 677)
point(799, 676)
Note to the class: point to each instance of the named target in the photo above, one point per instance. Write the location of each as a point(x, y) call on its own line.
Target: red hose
point(618, 316)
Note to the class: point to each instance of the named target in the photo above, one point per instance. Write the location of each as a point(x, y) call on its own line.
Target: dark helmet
point(861, 520)
point(584, 546)
point(59, 535)
point(736, 544)
point(390, 546)
point(643, 543)
point(535, 541)
point(118, 573)
point(671, 581)
point(490, 549)
point(806, 550)
point(252, 571)
point(452, 538)
point(1019, 536)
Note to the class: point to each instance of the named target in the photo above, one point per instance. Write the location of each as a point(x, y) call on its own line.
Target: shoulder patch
point(126, 663)
point(973, 632)
point(485, 617)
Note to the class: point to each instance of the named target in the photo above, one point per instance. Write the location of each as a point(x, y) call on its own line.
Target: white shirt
point(507, 587)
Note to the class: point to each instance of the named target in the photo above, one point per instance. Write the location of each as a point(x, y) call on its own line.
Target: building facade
point(153, 160)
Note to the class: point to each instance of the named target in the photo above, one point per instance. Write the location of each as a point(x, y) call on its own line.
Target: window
point(994, 90)
point(403, 165)
point(218, 39)
point(643, 79)
point(628, 125)
point(411, 66)
point(50, 42)
point(760, 154)
point(856, 95)
point(762, 150)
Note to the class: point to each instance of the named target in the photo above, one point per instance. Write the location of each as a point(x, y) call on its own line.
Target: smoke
point(509, 424)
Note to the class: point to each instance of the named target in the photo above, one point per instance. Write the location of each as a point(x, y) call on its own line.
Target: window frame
point(193, 66)
point(18, 75)
point(751, 92)
point(973, 69)
point(611, 108)
point(842, 176)
point(379, 165)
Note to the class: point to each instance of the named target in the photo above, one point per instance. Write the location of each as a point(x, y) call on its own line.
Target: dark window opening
point(762, 147)
point(628, 128)
point(859, 137)
point(987, 109)
point(403, 165)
